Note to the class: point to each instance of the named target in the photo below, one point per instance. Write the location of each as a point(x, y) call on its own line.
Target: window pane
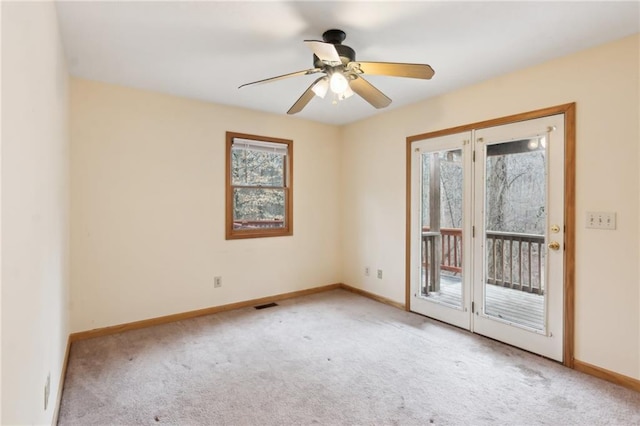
point(258, 208)
point(257, 168)
point(259, 196)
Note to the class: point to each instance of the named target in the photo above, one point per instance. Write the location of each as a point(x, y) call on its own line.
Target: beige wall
point(147, 207)
point(35, 210)
point(147, 191)
point(604, 82)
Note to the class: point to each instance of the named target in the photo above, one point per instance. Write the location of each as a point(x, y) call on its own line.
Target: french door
point(441, 185)
point(487, 232)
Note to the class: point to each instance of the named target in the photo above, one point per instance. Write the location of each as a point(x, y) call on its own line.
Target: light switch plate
point(601, 220)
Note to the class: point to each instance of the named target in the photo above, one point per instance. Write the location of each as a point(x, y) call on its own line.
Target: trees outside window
point(259, 178)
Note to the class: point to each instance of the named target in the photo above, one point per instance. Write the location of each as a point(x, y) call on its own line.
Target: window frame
point(287, 229)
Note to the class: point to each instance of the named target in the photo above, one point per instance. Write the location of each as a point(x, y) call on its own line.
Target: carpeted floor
point(332, 358)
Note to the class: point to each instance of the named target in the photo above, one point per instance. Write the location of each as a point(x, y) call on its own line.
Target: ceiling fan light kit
point(321, 87)
point(338, 83)
point(343, 75)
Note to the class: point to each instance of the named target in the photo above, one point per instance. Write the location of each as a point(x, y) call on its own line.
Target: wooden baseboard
point(63, 374)
point(609, 376)
point(373, 296)
point(105, 331)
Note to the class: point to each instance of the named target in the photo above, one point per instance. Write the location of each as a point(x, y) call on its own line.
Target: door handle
point(554, 245)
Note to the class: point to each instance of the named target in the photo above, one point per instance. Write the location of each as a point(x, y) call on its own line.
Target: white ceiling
point(206, 49)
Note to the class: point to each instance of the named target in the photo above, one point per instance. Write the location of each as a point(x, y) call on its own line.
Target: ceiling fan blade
point(423, 71)
point(304, 99)
point(280, 77)
point(325, 51)
point(369, 93)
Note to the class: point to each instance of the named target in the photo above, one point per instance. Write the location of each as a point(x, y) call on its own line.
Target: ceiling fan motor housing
point(336, 37)
point(346, 54)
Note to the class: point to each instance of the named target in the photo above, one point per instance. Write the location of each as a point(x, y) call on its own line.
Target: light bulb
point(321, 87)
point(338, 83)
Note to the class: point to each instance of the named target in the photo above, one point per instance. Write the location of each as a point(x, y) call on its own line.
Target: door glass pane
point(515, 222)
point(442, 187)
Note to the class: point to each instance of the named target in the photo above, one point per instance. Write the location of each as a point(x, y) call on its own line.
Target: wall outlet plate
point(379, 273)
point(217, 282)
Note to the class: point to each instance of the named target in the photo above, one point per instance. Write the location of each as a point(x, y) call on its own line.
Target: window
point(259, 178)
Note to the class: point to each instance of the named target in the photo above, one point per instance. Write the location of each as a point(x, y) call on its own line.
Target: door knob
point(554, 245)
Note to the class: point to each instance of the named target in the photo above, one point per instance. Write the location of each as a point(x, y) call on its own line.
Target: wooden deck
point(507, 304)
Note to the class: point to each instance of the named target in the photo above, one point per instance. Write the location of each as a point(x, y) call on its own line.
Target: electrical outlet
point(601, 220)
point(217, 282)
point(47, 390)
point(379, 273)
point(367, 271)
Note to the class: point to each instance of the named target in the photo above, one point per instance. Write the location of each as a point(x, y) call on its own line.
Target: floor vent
point(268, 305)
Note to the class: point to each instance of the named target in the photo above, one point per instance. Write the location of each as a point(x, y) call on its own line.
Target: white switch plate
point(601, 220)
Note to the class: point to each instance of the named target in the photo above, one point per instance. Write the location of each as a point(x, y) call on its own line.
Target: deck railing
point(252, 224)
point(514, 260)
point(451, 245)
point(450, 254)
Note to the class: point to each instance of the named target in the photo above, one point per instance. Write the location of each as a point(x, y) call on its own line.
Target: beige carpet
point(333, 358)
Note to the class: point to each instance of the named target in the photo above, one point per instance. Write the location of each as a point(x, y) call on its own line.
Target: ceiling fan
point(343, 74)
